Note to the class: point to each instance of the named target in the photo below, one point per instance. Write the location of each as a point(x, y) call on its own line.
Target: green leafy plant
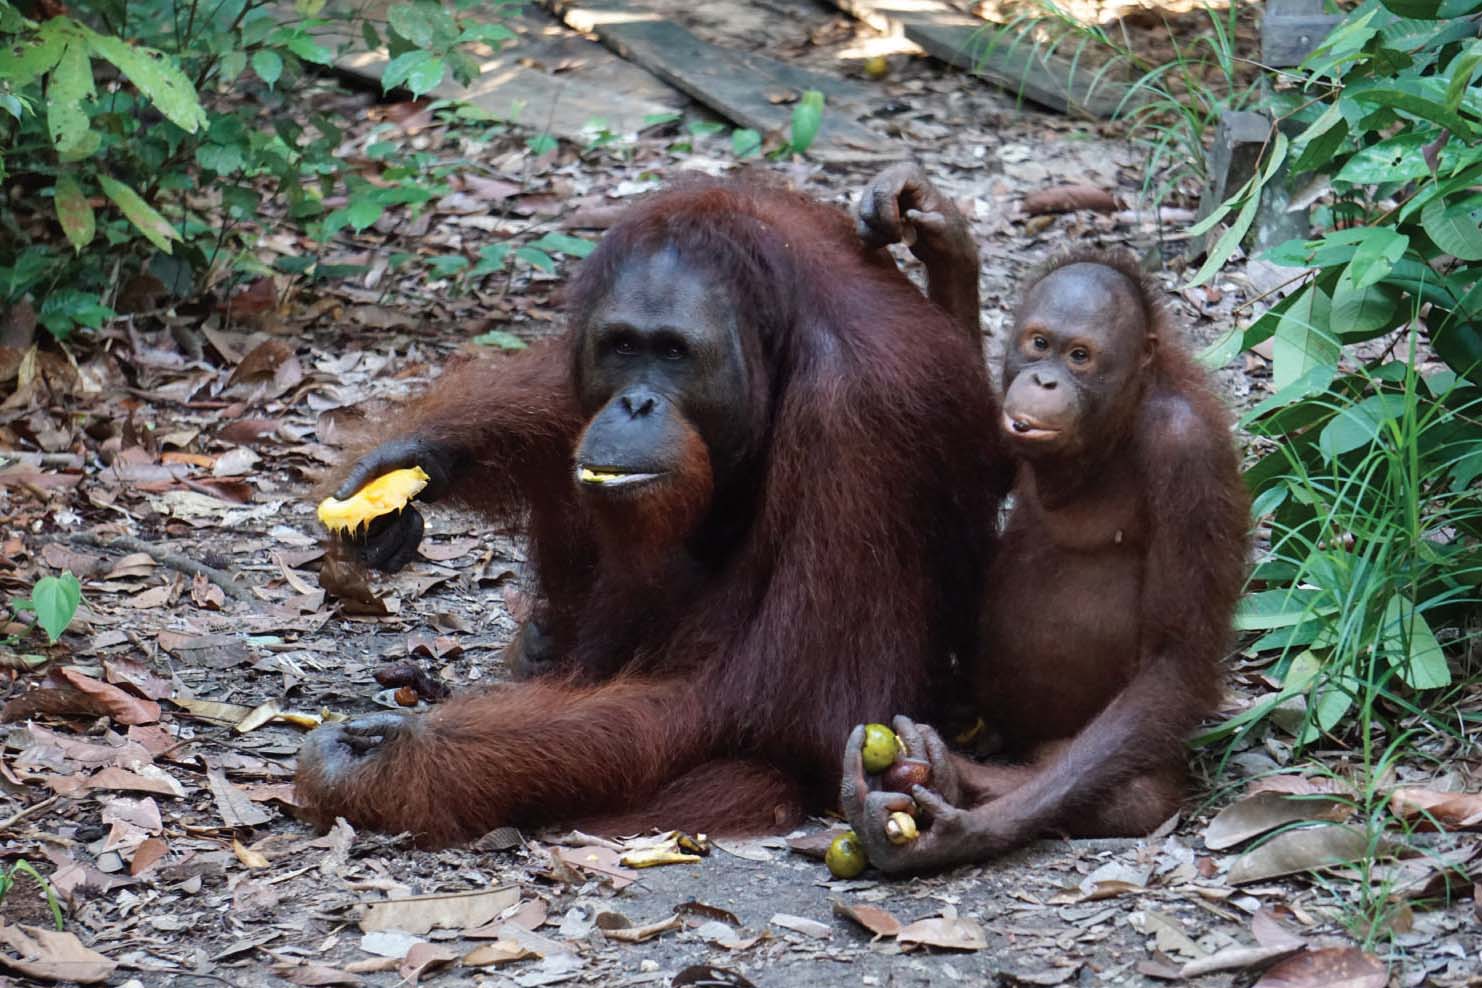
point(117, 117)
point(24, 867)
point(1371, 447)
point(54, 600)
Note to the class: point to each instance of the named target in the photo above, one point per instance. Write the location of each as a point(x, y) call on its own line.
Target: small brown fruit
point(905, 774)
point(406, 696)
point(881, 747)
point(901, 828)
point(845, 857)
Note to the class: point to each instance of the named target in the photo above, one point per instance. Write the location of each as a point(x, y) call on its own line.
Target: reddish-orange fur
point(826, 585)
point(1109, 606)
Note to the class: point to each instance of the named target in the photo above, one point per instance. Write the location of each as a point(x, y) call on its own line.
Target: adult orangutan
point(760, 503)
point(1110, 595)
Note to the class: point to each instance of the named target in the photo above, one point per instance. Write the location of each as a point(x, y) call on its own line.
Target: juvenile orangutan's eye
point(674, 351)
point(624, 346)
point(1040, 343)
point(1080, 355)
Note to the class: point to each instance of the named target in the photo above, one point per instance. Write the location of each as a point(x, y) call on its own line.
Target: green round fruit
point(845, 858)
point(881, 746)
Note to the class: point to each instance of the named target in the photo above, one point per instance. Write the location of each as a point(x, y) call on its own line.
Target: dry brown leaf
point(1300, 850)
point(803, 925)
point(424, 957)
point(1430, 808)
point(1331, 967)
point(49, 955)
point(135, 674)
point(1264, 811)
point(598, 860)
point(144, 778)
point(234, 805)
point(496, 953)
point(150, 852)
point(948, 932)
point(317, 975)
point(449, 911)
point(1237, 958)
point(228, 714)
point(118, 705)
point(872, 918)
point(1269, 928)
point(639, 934)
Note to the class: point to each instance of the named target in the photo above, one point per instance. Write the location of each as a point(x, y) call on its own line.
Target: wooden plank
point(522, 84)
point(967, 43)
point(735, 84)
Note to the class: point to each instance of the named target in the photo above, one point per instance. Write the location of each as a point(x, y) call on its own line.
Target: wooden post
point(1292, 29)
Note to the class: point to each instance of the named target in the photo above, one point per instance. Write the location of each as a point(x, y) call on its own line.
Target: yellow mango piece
point(387, 493)
point(650, 857)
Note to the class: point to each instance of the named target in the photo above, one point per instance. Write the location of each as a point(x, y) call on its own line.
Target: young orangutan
point(1110, 597)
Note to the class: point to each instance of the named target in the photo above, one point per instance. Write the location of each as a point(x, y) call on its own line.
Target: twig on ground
point(9, 822)
point(164, 557)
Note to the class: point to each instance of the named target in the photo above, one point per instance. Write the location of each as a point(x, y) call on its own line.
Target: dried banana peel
point(387, 493)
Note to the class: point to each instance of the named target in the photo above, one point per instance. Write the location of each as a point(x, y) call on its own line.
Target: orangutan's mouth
point(612, 476)
point(1024, 427)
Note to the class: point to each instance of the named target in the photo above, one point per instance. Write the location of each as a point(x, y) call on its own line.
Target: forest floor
point(147, 767)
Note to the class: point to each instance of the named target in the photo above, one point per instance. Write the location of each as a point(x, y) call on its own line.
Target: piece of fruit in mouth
point(598, 475)
point(387, 493)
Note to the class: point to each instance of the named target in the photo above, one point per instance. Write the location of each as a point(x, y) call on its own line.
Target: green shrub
point(139, 109)
point(1371, 447)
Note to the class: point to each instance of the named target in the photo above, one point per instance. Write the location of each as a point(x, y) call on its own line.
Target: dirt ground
point(147, 769)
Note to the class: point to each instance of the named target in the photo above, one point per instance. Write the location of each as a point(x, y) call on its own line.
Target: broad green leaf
point(1357, 426)
point(308, 49)
point(535, 257)
point(1456, 228)
point(1376, 255)
point(1268, 609)
point(492, 257)
point(745, 142)
point(55, 599)
point(399, 68)
point(223, 159)
point(563, 243)
point(407, 20)
point(1398, 159)
point(157, 77)
point(493, 35)
point(447, 265)
point(807, 118)
point(362, 212)
point(1420, 97)
point(68, 85)
point(1357, 311)
point(156, 229)
point(501, 339)
point(74, 212)
point(1227, 242)
point(1329, 709)
point(1461, 70)
point(231, 66)
point(426, 76)
point(1302, 339)
point(268, 65)
point(24, 60)
point(1411, 646)
point(1301, 674)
